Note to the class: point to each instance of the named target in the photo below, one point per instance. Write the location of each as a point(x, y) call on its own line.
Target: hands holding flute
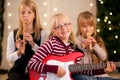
point(89, 41)
point(27, 37)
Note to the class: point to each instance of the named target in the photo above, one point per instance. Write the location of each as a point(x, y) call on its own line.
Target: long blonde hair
point(36, 23)
point(65, 19)
point(87, 17)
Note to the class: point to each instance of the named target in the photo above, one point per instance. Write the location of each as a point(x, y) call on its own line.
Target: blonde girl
point(93, 48)
point(24, 41)
point(61, 42)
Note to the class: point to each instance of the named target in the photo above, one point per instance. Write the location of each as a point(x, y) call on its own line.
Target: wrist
point(33, 44)
point(18, 53)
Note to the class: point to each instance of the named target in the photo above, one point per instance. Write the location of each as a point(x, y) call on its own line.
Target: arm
point(11, 54)
point(36, 63)
point(100, 52)
point(110, 66)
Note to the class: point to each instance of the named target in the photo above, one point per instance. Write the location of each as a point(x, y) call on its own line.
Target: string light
point(101, 2)
point(114, 51)
point(55, 9)
point(106, 17)
point(98, 30)
point(110, 28)
point(9, 27)
point(98, 19)
point(105, 20)
point(110, 13)
point(44, 3)
point(116, 36)
point(8, 3)
point(45, 15)
point(44, 23)
point(91, 4)
point(109, 22)
point(119, 24)
point(9, 14)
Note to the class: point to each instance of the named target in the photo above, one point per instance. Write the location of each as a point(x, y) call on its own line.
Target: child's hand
point(87, 42)
point(61, 72)
point(20, 44)
point(28, 37)
point(93, 41)
point(110, 67)
point(84, 44)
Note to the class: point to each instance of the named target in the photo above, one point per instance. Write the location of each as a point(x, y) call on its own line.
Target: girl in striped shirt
point(61, 42)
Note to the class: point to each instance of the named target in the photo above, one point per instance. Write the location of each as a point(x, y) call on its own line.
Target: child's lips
point(64, 32)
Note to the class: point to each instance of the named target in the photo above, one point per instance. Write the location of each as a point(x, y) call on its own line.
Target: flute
point(90, 45)
point(25, 26)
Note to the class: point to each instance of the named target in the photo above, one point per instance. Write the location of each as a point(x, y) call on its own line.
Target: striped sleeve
point(35, 62)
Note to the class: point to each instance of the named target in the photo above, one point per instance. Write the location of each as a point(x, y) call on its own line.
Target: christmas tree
point(108, 22)
point(2, 71)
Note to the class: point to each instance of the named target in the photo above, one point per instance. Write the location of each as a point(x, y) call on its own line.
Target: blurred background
point(106, 11)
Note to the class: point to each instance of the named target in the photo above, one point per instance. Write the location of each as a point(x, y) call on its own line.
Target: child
point(24, 41)
point(61, 42)
point(93, 48)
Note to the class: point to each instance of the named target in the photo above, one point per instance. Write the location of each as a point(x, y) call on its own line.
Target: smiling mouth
point(64, 32)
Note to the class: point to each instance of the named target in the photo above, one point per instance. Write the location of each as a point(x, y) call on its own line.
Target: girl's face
point(86, 29)
point(62, 30)
point(26, 14)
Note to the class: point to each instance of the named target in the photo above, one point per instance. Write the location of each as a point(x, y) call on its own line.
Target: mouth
point(64, 32)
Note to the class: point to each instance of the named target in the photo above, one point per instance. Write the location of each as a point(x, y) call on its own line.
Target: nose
point(63, 27)
point(88, 28)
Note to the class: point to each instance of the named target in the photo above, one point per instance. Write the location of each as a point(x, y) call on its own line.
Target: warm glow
point(45, 15)
point(91, 4)
point(9, 14)
point(44, 23)
point(55, 9)
point(98, 30)
point(110, 28)
point(9, 27)
point(98, 19)
point(44, 3)
point(116, 36)
point(114, 51)
point(8, 3)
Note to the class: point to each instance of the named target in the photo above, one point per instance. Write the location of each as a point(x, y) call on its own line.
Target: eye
point(22, 12)
point(29, 12)
point(58, 27)
point(65, 24)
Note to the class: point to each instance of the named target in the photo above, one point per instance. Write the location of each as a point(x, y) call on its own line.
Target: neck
point(65, 40)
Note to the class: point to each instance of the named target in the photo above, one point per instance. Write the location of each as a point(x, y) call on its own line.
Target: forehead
point(61, 20)
point(87, 22)
point(25, 7)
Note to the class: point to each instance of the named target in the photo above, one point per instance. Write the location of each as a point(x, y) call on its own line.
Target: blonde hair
point(65, 19)
point(36, 23)
point(87, 17)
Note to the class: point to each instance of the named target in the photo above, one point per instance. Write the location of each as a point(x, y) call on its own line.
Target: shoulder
point(79, 39)
point(15, 31)
point(52, 40)
point(43, 32)
point(11, 34)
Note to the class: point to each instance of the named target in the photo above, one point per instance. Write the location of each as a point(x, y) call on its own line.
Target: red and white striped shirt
point(53, 46)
